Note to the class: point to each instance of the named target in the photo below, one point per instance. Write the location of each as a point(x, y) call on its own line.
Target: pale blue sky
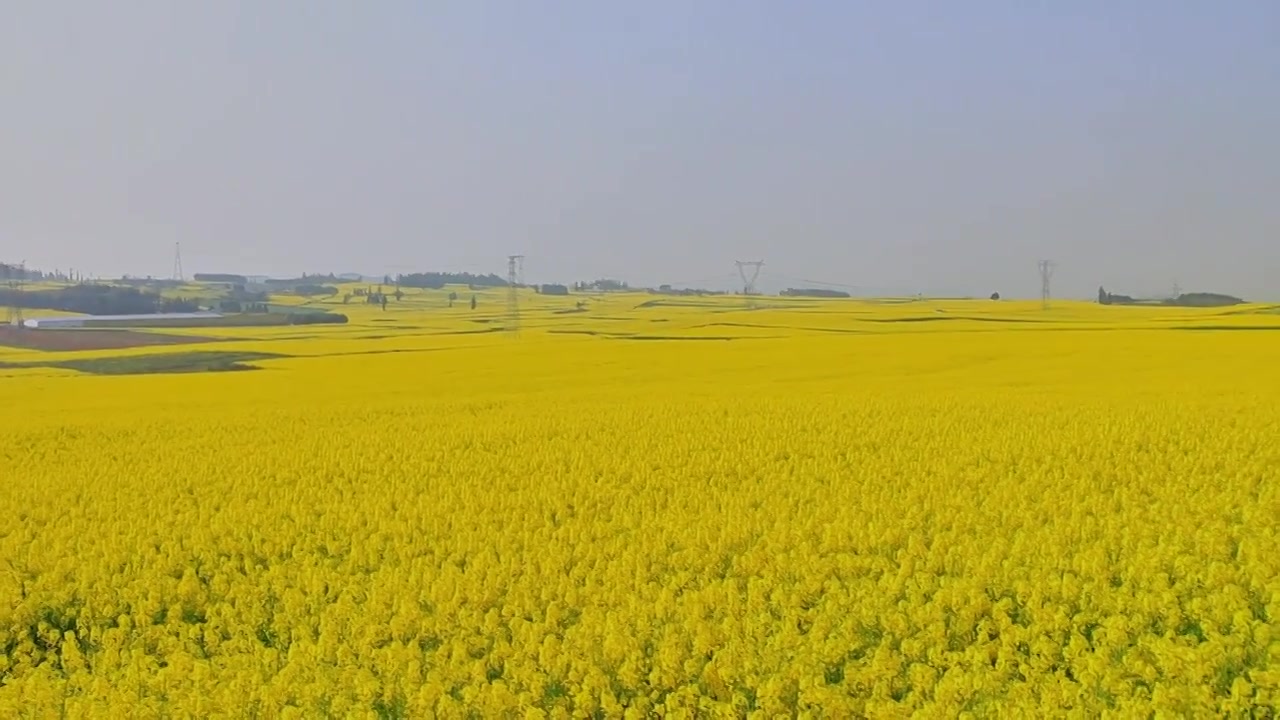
point(900, 146)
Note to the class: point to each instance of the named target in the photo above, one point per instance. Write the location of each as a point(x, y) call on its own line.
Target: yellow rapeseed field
point(638, 508)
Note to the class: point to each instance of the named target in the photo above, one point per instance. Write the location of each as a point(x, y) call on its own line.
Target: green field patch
point(154, 364)
point(300, 309)
point(677, 304)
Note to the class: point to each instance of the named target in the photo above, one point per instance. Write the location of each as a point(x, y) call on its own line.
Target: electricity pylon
point(750, 272)
point(178, 275)
point(1046, 278)
point(515, 269)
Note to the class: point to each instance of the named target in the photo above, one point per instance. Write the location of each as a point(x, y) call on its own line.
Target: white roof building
point(79, 321)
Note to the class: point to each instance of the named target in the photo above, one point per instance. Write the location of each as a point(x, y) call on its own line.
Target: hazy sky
point(935, 147)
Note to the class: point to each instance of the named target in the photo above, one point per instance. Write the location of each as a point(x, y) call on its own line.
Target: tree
point(995, 296)
point(473, 302)
point(1104, 298)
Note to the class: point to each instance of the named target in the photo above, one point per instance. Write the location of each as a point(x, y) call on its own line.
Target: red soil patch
point(89, 339)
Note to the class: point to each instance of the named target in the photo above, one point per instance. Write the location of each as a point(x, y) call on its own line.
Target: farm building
point(88, 321)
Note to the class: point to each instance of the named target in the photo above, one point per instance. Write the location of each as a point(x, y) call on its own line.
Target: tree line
point(814, 293)
point(437, 280)
point(1199, 299)
point(97, 300)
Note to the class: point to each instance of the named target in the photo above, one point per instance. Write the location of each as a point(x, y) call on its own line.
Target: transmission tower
point(1046, 277)
point(177, 263)
point(750, 272)
point(515, 273)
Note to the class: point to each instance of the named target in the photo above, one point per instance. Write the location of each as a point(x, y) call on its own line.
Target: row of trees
point(236, 306)
point(601, 285)
point(669, 290)
point(1182, 300)
point(310, 290)
point(1106, 298)
point(814, 293)
point(437, 280)
point(97, 300)
point(12, 271)
point(221, 278)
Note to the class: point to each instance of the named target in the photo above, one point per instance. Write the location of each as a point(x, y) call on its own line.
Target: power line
point(718, 281)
